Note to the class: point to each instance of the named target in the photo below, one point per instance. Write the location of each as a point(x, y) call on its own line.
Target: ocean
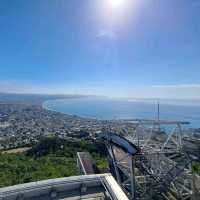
point(109, 108)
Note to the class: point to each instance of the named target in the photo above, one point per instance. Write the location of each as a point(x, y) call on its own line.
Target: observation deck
point(88, 187)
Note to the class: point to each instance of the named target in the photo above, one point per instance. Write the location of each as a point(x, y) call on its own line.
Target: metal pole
point(132, 177)
point(194, 191)
point(115, 165)
point(180, 135)
point(158, 116)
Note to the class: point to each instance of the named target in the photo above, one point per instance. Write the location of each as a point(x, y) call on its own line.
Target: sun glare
point(116, 3)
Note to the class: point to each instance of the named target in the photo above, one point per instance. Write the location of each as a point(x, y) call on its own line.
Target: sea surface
point(109, 108)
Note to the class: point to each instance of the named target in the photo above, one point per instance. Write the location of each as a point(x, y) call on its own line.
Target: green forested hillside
point(196, 167)
point(51, 158)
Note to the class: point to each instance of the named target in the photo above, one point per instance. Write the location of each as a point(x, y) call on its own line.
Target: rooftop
point(88, 187)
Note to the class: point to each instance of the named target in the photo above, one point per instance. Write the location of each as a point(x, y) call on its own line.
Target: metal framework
point(161, 166)
point(121, 153)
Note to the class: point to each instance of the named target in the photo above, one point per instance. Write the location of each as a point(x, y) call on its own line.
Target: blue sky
point(137, 49)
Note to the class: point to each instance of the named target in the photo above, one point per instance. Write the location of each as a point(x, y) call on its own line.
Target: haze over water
point(107, 108)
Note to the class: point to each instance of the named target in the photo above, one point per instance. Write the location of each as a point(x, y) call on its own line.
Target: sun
point(116, 3)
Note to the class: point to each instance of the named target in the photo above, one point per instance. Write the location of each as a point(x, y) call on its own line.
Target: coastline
point(107, 109)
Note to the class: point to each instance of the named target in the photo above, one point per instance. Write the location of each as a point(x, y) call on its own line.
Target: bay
point(109, 108)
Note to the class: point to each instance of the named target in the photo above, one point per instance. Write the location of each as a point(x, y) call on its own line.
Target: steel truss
point(161, 168)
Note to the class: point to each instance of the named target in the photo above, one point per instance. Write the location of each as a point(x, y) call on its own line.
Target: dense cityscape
point(24, 124)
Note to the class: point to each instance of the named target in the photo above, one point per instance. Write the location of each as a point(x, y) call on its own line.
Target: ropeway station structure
point(153, 163)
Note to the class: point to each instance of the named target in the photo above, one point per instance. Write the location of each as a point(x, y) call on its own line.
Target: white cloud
point(23, 87)
point(176, 91)
point(183, 91)
point(106, 34)
point(178, 86)
point(10, 86)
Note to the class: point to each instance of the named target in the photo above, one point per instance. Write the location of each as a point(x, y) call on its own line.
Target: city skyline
point(134, 49)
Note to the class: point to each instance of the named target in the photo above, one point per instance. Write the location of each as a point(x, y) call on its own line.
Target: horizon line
point(95, 95)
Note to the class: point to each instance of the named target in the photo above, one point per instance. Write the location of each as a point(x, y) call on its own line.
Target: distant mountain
point(31, 98)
